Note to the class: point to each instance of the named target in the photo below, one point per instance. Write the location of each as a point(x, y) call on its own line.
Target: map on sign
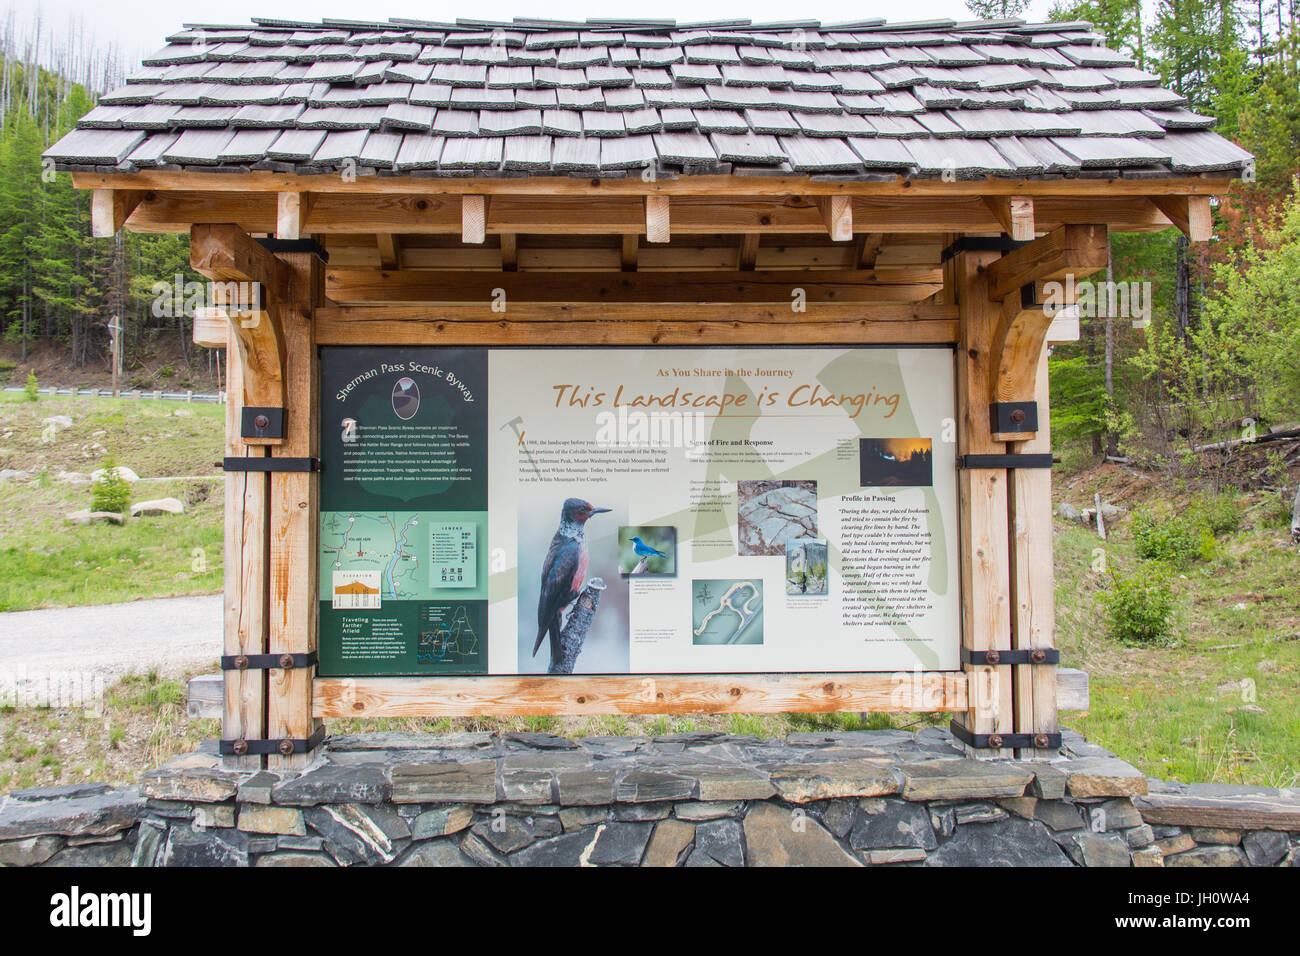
point(393, 543)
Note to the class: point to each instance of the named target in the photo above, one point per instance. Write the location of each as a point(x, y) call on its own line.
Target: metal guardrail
point(156, 395)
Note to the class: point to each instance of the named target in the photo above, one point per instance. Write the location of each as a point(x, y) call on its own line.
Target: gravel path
point(170, 635)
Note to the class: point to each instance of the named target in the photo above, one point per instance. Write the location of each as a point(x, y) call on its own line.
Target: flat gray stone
point(115, 854)
point(442, 821)
point(648, 786)
point(186, 847)
point(331, 783)
point(722, 841)
point(900, 825)
point(802, 783)
point(622, 844)
point(32, 851)
point(1088, 848)
point(1102, 777)
point(294, 860)
point(540, 741)
point(1058, 815)
point(395, 740)
point(963, 779)
point(68, 792)
point(364, 833)
point(1010, 842)
point(194, 777)
point(1209, 856)
point(584, 788)
point(569, 849)
point(472, 781)
point(258, 787)
point(774, 836)
point(670, 838)
point(436, 853)
point(149, 840)
point(695, 811)
point(1265, 847)
point(95, 815)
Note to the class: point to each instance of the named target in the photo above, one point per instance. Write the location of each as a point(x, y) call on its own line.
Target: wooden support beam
point(868, 249)
point(1033, 596)
point(267, 181)
point(629, 252)
point(291, 212)
point(473, 219)
point(295, 519)
point(245, 543)
point(657, 227)
point(110, 208)
point(1191, 214)
point(749, 251)
point(617, 694)
point(509, 252)
point(251, 284)
point(1015, 214)
point(1019, 341)
point(837, 214)
point(390, 250)
point(1068, 250)
point(374, 287)
point(599, 323)
point(211, 327)
point(985, 544)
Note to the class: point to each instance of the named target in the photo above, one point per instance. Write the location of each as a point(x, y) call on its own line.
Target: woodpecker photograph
point(565, 543)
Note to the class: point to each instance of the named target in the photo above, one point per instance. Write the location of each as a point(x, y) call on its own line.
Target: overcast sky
point(137, 27)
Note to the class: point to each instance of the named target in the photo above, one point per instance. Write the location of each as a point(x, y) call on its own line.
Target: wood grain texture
point(473, 219)
point(1015, 214)
point(837, 214)
point(985, 546)
point(1019, 340)
point(658, 227)
point(1033, 586)
point(292, 210)
point(633, 694)
point(266, 181)
point(377, 287)
point(295, 519)
point(110, 209)
point(1191, 214)
point(1077, 250)
point(245, 541)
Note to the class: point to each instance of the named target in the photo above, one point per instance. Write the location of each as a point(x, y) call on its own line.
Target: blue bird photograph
point(649, 550)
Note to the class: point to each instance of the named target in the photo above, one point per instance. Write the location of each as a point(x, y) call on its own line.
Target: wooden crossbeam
point(1191, 214)
point(110, 208)
point(374, 286)
point(1015, 214)
point(868, 249)
point(617, 694)
point(749, 251)
point(657, 228)
point(600, 323)
point(1068, 250)
point(837, 213)
point(473, 219)
point(431, 213)
point(267, 181)
point(240, 267)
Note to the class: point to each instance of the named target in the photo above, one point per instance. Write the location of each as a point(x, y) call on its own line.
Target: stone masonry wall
point(706, 799)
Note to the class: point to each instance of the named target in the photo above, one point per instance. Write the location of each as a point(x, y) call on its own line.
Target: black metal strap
point(295, 245)
point(284, 746)
point(1002, 243)
point(262, 463)
point(1005, 461)
point(261, 662)
point(994, 658)
point(1000, 741)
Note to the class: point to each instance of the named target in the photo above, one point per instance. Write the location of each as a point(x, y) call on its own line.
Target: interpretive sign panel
point(643, 511)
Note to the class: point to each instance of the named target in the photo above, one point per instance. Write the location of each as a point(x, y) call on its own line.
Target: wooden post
point(985, 545)
point(245, 562)
point(1033, 580)
point(295, 516)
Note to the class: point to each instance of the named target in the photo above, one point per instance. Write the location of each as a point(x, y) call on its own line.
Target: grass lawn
point(45, 561)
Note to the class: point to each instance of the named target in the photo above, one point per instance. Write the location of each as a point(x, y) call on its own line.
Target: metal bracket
point(994, 658)
point(295, 245)
point(261, 662)
point(284, 746)
point(261, 463)
point(261, 421)
point(968, 462)
point(1002, 243)
point(1009, 417)
point(1000, 741)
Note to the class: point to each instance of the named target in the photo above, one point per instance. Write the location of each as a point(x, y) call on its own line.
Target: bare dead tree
point(574, 633)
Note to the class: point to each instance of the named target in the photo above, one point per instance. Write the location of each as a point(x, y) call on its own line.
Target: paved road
point(169, 635)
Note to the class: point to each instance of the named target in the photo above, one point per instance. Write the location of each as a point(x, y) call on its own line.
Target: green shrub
point(1219, 514)
point(7, 365)
point(1140, 606)
point(111, 492)
point(1173, 539)
point(31, 387)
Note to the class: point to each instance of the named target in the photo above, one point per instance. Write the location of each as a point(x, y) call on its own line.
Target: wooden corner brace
point(110, 209)
point(251, 285)
point(1022, 324)
point(1191, 214)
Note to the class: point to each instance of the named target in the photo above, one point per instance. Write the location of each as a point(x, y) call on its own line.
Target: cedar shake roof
point(864, 100)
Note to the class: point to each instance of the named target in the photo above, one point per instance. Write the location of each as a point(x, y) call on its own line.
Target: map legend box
point(453, 550)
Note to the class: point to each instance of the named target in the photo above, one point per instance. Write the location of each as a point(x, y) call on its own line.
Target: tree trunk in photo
point(575, 628)
point(1295, 517)
point(1182, 287)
